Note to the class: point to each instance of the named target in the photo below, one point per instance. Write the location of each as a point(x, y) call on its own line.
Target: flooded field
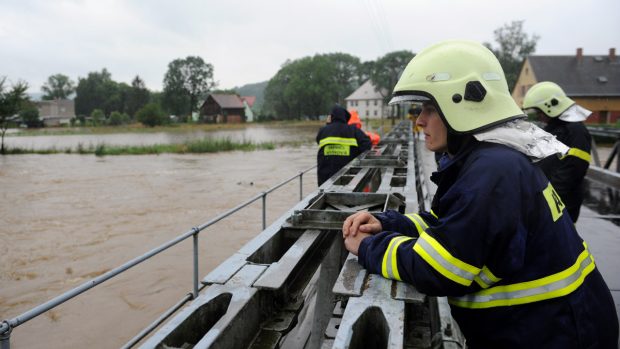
point(251, 133)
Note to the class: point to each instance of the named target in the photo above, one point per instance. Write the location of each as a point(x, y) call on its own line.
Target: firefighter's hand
point(360, 222)
point(352, 242)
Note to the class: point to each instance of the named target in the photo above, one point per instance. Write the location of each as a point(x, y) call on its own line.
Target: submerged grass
point(198, 146)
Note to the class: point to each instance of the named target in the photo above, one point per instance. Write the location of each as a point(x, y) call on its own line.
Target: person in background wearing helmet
point(339, 143)
point(498, 240)
point(564, 119)
point(357, 122)
point(412, 114)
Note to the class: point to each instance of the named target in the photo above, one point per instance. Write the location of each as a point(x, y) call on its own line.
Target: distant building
point(367, 101)
point(223, 109)
point(248, 102)
point(56, 112)
point(592, 81)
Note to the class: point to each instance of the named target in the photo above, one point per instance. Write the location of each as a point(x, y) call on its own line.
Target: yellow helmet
point(548, 97)
point(466, 83)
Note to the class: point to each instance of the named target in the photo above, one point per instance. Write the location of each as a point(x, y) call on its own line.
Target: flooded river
point(68, 218)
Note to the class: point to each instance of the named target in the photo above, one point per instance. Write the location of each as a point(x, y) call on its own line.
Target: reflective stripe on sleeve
point(552, 286)
point(389, 267)
point(443, 262)
point(417, 220)
point(338, 140)
point(486, 278)
point(578, 153)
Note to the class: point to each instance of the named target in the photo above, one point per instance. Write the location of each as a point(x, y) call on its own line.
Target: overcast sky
point(247, 41)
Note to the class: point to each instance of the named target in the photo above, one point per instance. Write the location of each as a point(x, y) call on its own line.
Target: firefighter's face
point(435, 132)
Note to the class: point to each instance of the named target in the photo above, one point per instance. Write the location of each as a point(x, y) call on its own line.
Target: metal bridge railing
point(615, 152)
point(6, 326)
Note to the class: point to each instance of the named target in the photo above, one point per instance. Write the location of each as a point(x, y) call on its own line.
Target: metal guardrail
point(611, 133)
point(6, 326)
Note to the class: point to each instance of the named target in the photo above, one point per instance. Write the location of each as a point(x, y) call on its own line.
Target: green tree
point(99, 91)
point(151, 115)
point(186, 82)
point(137, 97)
point(346, 76)
point(58, 86)
point(387, 71)
point(513, 46)
point(11, 101)
point(30, 116)
point(308, 87)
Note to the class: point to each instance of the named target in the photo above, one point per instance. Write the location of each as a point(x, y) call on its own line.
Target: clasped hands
point(357, 227)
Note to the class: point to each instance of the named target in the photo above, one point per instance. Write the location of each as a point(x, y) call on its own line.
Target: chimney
point(579, 54)
point(612, 54)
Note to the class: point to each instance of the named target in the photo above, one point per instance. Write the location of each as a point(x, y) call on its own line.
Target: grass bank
point(190, 147)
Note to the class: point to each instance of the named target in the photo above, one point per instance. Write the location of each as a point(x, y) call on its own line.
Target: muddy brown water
point(68, 218)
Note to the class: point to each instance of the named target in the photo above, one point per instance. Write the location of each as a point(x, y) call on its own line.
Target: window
point(375, 113)
point(367, 103)
point(367, 113)
point(375, 104)
point(523, 90)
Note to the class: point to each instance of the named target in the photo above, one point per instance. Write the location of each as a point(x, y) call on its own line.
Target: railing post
point(5, 337)
point(264, 210)
point(301, 185)
point(195, 239)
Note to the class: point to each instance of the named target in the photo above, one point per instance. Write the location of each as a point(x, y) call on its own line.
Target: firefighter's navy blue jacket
point(501, 245)
point(339, 143)
point(567, 174)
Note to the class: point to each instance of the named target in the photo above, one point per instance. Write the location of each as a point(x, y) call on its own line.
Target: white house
point(367, 101)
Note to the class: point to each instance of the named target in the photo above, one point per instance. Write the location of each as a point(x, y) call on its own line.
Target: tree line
point(302, 88)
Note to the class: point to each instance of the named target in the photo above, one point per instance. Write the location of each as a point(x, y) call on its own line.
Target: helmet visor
point(407, 98)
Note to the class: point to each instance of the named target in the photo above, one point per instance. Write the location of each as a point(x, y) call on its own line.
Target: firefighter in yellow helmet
point(498, 240)
point(564, 119)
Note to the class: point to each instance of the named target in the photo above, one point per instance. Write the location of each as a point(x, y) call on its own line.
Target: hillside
point(255, 89)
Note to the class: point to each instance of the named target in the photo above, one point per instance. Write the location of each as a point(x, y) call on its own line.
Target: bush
point(98, 117)
point(117, 118)
point(151, 115)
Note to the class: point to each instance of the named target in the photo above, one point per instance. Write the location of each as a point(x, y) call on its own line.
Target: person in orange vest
point(357, 122)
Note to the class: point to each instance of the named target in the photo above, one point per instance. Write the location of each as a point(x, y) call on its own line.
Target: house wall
point(526, 79)
point(604, 110)
point(368, 108)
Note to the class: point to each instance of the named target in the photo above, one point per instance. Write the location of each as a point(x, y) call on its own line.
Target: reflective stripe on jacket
point(338, 143)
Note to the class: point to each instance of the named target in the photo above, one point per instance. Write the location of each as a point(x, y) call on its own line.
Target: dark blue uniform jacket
point(501, 245)
point(339, 143)
point(567, 174)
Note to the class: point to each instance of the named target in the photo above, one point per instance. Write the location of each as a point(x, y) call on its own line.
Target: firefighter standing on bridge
point(339, 143)
point(564, 119)
point(498, 240)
